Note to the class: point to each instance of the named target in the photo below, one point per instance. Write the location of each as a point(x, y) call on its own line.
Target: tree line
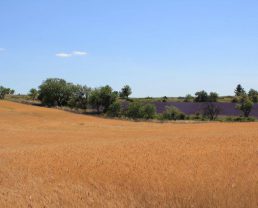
point(58, 92)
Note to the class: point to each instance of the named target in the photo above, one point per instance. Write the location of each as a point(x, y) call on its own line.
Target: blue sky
point(165, 47)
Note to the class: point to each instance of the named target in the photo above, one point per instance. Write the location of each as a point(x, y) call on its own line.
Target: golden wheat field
point(52, 158)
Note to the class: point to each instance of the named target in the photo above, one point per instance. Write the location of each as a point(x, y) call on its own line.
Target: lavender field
point(227, 109)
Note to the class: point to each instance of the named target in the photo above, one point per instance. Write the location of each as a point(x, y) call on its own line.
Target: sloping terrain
point(52, 158)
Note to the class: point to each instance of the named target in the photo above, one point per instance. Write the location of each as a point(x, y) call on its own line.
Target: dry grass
point(51, 158)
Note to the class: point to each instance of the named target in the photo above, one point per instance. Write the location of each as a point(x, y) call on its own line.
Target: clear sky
point(159, 47)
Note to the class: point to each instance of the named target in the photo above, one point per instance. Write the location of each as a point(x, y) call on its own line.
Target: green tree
point(55, 92)
point(125, 91)
point(213, 97)
point(33, 94)
point(173, 113)
point(148, 111)
point(5, 91)
point(107, 97)
point(164, 99)
point(134, 110)
point(114, 110)
point(102, 97)
point(95, 99)
point(80, 97)
point(188, 98)
point(201, 96)
point(253, 95)
point(239, 91)
point(245, 105)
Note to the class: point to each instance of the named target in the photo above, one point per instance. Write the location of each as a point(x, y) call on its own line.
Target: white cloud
point(64, 55)
point(80, 53)
point(74, 53)
point(2, 49)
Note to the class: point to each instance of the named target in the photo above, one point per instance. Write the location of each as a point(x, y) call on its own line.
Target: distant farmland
point(52, 158)
point(189, 108)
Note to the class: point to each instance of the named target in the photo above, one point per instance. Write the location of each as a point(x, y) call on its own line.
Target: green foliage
point(80, 97)
point(125, 91)
point(5, 91)
point(239, 119)
point(33, 94)
point(245, 105)
point(213, 97)
point(114, 110)
point(239, 91)
point(164, 99)
point(148, 111)
point(137, 110)
point(188, 98)
point(102, 97)
point(235, 100)
point(173, 113)
point(107, 97)
point(201, 96)
point(95, 99)
point(253, 95)
point(55, 92)
point(134, 110)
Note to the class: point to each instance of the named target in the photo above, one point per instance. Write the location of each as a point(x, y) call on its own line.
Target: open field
point(52, 158)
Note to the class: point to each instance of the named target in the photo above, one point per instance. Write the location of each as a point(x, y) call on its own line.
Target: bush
point(148, 111)
point(137, 110)
point(234, 100)
point(134, 110)
point(114, 110)
point(173, 113)
point(188, 98)
point(239, 119)
point(211, 111)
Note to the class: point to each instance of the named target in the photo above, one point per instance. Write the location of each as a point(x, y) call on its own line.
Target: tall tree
point(126, 91)
point(201, 96)
point(55, 91)
point(239, 91)
point(33, 94)
point(245, 105)
point(253, 95)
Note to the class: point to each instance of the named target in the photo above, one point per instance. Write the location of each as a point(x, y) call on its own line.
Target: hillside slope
point(52, 158)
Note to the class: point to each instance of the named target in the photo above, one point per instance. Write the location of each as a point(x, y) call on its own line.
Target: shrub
point(134, 110)
point(114, 110)
point(234, 100)
point(148, 111)
point(188, 98)
point(164, 99)
point(173, 113)
point(211, 111)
